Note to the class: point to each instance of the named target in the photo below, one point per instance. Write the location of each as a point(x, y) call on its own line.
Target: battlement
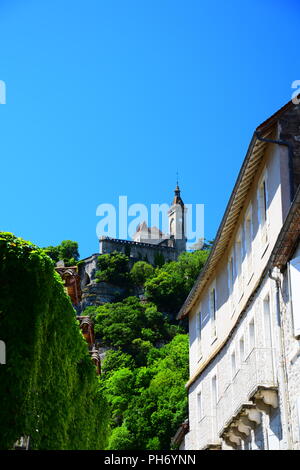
point(140, 244)
point(140, 250)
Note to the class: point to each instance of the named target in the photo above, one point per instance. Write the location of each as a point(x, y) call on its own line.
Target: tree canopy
point(113, 268)
point(146, 364)
point(171, 284)
point(131, 326)
point(67, 251)
point(140, 272)
point(149, 403)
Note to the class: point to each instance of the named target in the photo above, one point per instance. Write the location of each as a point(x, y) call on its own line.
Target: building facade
point(243, 387)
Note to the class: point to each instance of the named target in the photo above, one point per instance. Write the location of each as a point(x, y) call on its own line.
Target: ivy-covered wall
point(48, 387)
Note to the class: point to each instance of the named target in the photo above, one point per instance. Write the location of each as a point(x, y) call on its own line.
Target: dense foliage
point(148, 403)
point(166, 286)
point(131, 326)
point(146, 365)
point(67, 251)
point(171, 284)
point(114, 268)
point(48, 388)
point(140, 272)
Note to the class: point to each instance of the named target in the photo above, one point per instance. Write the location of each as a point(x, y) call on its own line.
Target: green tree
point(131, 326)
point(68, 252)
point(113, 268)
point(121, 438)
point(165, 289)
point(140, 272)
point(149, 403)
point(115, 360)
point(119, 388)
point(53, 252)
point(171, 284)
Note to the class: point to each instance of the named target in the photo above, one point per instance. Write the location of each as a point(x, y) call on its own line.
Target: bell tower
point(176, 214)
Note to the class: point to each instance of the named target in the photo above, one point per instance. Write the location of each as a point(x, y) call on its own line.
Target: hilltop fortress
point(149, 244)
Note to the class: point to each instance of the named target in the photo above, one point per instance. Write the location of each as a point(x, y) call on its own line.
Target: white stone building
point(244, 309)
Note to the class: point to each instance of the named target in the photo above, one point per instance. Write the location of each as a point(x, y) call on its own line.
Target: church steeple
point(177, 220)
point(177, 198)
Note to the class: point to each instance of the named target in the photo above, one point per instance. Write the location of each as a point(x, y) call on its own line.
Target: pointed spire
point(177, 190)
point(177, 198)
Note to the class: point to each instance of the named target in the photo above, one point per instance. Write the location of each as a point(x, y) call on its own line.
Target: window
point(199, 332)
point(263, 202)
point(233, 364)
point(239, 260)
point(172, 227)
point(231, 271)
point(212, 302)
point(199, 406)
point(214, 393)
point(248, 241)
point(251, 335)
point(242, 349)
point(231, 274)
point(263, 208)
point(267, 322)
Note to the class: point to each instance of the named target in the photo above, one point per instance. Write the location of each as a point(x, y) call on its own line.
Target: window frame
point(263, 208)
point(248, 231)
point(213, 311)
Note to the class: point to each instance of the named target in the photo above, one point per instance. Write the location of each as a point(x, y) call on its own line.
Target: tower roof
point(177, 198)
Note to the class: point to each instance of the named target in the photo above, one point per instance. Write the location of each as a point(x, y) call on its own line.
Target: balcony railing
point(256, 371)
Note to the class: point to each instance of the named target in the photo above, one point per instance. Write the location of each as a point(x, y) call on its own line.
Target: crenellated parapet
point(138, 251)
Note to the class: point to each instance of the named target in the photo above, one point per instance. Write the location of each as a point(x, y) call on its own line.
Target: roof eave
point(255, 145)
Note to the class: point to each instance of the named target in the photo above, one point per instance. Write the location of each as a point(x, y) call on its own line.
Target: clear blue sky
point(109, 98)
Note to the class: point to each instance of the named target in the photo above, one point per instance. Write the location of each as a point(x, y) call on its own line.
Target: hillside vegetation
point(146, 364)
point(49, 388)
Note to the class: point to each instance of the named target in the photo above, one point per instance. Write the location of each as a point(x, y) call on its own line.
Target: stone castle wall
point(139, 251)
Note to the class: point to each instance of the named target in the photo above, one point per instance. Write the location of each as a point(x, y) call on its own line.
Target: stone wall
point(139, 251)
point(99, 293)
point(87, 269)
